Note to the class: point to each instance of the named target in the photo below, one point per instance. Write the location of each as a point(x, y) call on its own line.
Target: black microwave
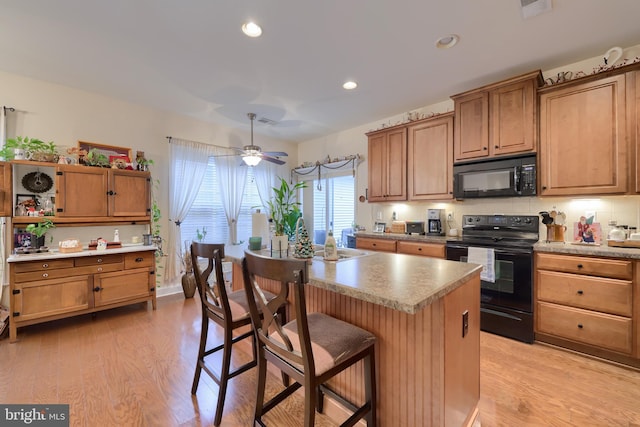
point(502, 177)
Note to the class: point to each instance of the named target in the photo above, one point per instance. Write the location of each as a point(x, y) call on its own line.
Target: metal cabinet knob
point(45, 265)
point(99, 260)
point(45, 275)
point(580, 292)
point(140, 259)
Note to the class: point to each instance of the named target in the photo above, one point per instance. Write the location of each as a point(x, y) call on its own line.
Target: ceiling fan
point(252, 154)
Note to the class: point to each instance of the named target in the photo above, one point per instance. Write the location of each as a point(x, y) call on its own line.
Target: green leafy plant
point(40, 228)
point(96, 158)
point(284, 208)
point(201, 235)
point(32, 147)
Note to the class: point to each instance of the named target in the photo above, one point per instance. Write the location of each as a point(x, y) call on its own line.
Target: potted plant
point(29, 148)
point(285, 211)
point(38, 231)
point(96, 158)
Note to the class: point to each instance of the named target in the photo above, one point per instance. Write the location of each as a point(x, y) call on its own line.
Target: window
point(333, 208)
point(207, 212)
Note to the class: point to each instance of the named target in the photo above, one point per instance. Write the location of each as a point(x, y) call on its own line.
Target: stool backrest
point(213, 295)
point(268, 326)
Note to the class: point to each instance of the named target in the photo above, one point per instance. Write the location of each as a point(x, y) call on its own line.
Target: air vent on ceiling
point(267, 121)
point(531, 8)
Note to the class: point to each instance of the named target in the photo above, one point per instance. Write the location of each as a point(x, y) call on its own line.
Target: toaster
point(415, 227)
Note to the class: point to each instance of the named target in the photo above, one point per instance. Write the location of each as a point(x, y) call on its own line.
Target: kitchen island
point(426, 315)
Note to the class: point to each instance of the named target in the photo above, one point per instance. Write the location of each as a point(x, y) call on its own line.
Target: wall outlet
point(450, 216)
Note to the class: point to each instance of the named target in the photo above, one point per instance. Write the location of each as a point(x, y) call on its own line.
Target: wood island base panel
point(48, 287)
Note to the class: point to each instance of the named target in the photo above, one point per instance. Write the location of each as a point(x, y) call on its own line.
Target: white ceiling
point(190, 56)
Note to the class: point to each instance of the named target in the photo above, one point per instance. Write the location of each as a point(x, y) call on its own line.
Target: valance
point(328, 168)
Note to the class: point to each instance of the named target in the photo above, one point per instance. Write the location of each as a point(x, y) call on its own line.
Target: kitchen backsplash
point(623, 209)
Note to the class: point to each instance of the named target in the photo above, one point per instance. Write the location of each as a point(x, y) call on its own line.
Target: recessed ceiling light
point(251, 29)
point(350, 85)
point(447, 41)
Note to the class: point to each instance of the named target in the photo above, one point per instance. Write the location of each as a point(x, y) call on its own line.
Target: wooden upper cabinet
point(6, 191)
point(633, 107)
point(497, 119)
point(430, 160)
point(583, 139)
point(99, 192)
point(388, 165)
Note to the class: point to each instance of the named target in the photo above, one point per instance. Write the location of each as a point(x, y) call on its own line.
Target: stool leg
point(262, 378)
point(310, 392)
point(370, 386)
point(204, 329)
point(224, 374)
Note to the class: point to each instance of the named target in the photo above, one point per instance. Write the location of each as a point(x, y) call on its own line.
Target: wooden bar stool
point(311, 349)
point(229, 310)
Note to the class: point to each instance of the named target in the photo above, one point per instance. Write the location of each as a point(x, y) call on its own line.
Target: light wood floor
point(133, 366)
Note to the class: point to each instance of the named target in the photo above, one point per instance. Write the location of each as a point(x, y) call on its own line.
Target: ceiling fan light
point(252, 29)
point(251, 160)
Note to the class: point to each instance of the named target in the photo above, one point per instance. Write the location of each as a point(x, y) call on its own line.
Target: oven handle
point(507, 251)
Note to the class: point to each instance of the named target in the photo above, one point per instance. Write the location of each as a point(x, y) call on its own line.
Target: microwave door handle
point(516, 178)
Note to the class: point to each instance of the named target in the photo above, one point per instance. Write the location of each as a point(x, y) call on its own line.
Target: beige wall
point(65, 115)
point(624, 209)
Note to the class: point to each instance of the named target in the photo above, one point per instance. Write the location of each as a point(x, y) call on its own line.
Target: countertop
point(401, 282)
point(590, 250)
point(408, 237)
point(54, 254)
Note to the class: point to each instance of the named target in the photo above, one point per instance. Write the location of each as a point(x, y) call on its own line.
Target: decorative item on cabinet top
point(411, 116)
point(330, 166)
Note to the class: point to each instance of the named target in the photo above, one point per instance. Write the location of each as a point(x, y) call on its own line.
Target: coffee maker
point(435, 220)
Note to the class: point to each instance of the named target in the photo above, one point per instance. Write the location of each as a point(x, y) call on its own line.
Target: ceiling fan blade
point(273, 160)
point(275, 153)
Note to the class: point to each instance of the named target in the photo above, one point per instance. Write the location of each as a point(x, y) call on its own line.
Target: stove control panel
point(520, 222)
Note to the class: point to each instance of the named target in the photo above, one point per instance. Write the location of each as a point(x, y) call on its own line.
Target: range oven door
point(512, 287)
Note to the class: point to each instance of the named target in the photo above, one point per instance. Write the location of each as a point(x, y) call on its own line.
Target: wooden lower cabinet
point(435, 250)
point(50, 289)
point(589, 304)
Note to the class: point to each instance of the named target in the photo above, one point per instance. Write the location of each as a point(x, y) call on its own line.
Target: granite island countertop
point(401, 282)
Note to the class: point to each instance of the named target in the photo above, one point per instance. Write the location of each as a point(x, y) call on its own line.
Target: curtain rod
point(8, 108)
point(196, 142)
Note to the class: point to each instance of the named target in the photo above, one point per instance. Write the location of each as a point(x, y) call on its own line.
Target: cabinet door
point(388, 166)
point(111, 288)
point(6, 193)
point(633, 107)
point(512, 120)
point(583, 139)
point(55, 297)
point(81, 191)
point(430, 172)
point(129, 193)
point(471, 132)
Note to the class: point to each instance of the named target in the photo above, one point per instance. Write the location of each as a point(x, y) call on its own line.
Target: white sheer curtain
point(188, 166)
point(232, 177)
point(265, 175)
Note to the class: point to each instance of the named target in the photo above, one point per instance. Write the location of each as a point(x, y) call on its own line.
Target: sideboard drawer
point(45, 264)
point(589, 327)
point(593, 293)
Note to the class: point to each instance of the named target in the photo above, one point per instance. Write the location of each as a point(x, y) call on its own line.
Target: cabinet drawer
point(416, 248)
point(45, 274)
point(139, 260)
point(376, 244)
point(98, 260)
point(593, 293)
point(613, 268)
point(45, 264)
point(588, 327)
point(45, 298)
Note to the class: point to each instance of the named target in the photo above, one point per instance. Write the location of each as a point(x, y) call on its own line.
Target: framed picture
point(107, 150)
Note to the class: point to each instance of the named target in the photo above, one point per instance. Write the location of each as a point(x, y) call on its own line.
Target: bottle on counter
point(116, 236)
point(330, 248)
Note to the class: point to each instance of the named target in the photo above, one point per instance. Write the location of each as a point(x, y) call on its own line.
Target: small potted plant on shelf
point(285, 211)
point(29, 148)
point(38, 231)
